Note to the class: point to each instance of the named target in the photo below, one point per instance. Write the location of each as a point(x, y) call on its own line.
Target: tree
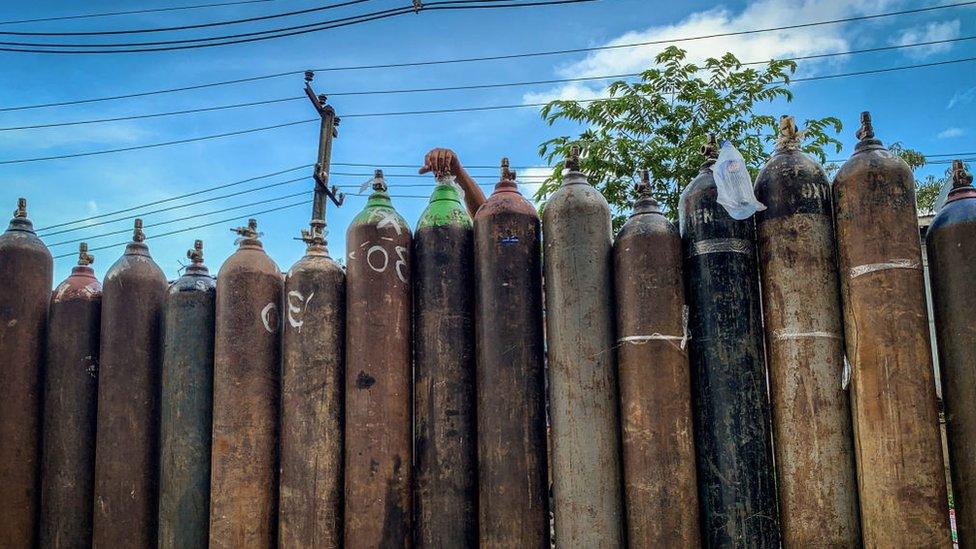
point(927, 190)
point(660, 123)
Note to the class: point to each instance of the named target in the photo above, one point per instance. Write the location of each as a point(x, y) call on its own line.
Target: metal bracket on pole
point(329, 130)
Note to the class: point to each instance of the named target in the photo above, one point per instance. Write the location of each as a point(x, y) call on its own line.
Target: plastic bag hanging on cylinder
point(448, 179)
point(735, 191)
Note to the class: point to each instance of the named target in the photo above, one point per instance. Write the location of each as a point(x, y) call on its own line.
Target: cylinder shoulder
point(318, 265)
point(647, 225)
point(135, 266)
point(953, 214)
point(24, 242)
point(246, 260)
point(381, 217)
point(507, 204)
point(577, 199)
point(82, 288)
point(873, 161)
point(196, 283)
point(784, 168)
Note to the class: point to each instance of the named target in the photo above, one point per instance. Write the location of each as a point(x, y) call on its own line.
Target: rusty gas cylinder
point(951, 245)
point(588, 498)
point(312, 382)
point(27, 272)
point(733, 442)
point(513, 501)
point(805, 350)
point(243, 471)
point(186, 407)
point(655, 386)
point(445, 442)
point(127, 433)
point(378, 373)
point(901, 477)
point(70, 397)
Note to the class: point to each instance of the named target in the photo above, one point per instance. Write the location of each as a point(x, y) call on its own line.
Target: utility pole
point(329, 130)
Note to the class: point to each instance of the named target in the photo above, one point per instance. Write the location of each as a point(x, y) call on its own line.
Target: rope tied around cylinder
point(790, 136)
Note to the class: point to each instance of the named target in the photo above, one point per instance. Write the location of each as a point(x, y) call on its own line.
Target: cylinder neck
point(380, 198)
point(962, 183)
point(249, 237)
point(506, 182)
point(646, 204)
point(710, 151)
point(445, 190)
point(865, 135)
point(19, 222)
point(790, 137)
point(196, 267)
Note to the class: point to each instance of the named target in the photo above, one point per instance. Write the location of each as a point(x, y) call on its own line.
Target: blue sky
point(928, 109)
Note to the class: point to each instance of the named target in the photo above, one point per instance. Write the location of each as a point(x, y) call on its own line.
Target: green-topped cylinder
point(377, 375)
point(445, 438)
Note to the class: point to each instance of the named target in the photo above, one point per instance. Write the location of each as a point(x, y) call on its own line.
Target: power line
point(188, 27)
point(423, 112)
point(172, 45)
point(133, 12)
point(178, 219)
point(172, 198)
point(447, 88)
point(222, 221)
point(176, 207)
point(449, 61)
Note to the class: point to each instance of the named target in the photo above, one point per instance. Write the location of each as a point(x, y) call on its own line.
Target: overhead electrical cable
point(133, 12)
point(241, 38)
point(440, 89)
point(189, 27)
point(222, 221)
point(449, 61)
point(172, 198)
point(422, 112)
point(176, 207)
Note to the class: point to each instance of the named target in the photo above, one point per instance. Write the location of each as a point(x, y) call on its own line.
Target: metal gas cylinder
point(805, 349)
point(70, 398)
point(733, 442)
point(27, 272)
point(513, 489)
point(127, 439)
point(445, 442)
point(655, 385)
point(951, 245)
point(901, 476)
point(244, 480)
point(312, 383)
point(588, 499)
point(186, 406)
point(378, 373)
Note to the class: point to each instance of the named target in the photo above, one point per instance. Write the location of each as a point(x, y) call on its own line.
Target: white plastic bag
point(735, 191)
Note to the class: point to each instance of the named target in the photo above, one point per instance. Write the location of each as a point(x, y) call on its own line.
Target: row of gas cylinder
point(403, 400)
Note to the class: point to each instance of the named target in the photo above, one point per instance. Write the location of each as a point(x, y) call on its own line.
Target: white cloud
point(747, 47)
point(949, 133)
point(930, 32)
point(963, 97)
point(92, 207)
point(96, 134)
point(530, 181)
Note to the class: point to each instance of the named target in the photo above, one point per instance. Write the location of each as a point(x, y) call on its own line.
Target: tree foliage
point(926, 190)
point(661, 121)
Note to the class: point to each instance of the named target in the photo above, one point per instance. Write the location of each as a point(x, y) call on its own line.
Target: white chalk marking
point(875, 267)
point(266, 317)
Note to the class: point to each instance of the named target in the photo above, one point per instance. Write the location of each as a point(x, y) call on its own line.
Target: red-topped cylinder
point(512, 470)
point(71, 395)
